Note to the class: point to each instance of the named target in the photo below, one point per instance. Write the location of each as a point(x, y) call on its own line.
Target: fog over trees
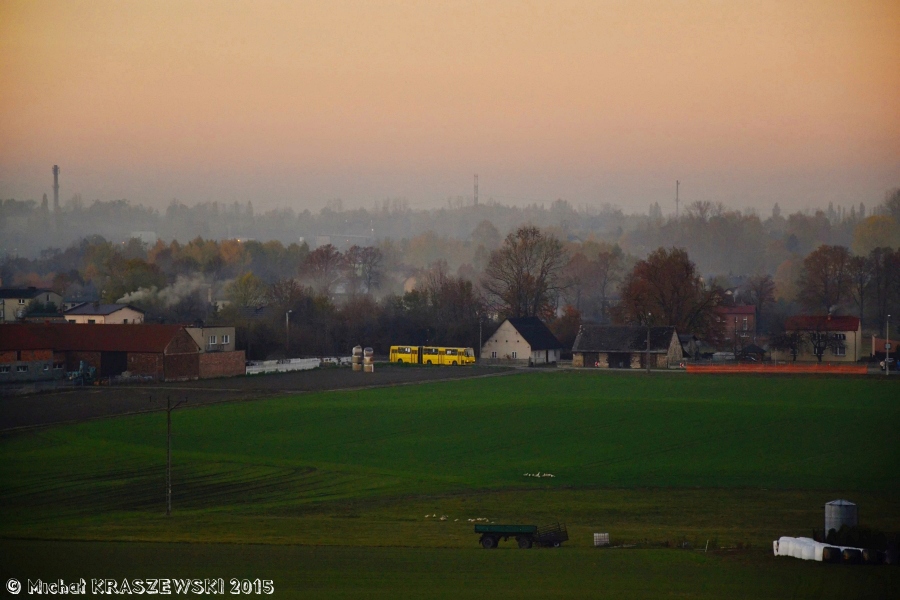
point(442, 276)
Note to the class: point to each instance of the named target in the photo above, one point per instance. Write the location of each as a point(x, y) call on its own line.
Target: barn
point(522, 340)
point(164, 352)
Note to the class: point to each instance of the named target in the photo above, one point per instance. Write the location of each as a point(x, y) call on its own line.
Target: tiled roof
point(63, 337)
point(736, 310)
point(89, 308)
point(622, 338)
point(821, 323)
point(30, 292)
point(538, 336)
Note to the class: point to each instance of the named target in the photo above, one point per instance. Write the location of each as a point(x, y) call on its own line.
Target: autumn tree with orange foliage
point(665, 290)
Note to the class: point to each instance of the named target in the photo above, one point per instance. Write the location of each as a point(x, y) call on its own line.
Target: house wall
point(36, 370)
point(141, 363)
point(10, 306)
point(222, 364)
point(504, 342)
point(852, 348)
point(120, 317)
point(201, 336)
point(181, 367)
point(542, 357)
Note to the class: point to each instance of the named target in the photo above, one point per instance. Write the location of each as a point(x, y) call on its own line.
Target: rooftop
point(622, 338)
point(538, 336)
point(90, 308)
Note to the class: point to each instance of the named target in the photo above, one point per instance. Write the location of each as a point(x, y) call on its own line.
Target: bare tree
point(761, 289)
point(364, 268)
point(860, 275)
point(323, 268)
point(522, 278)
point(825, 279)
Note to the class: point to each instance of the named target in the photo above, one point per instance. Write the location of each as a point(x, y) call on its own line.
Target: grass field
point(656, 461)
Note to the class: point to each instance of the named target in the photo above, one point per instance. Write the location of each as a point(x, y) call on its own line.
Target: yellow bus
point(432, 355)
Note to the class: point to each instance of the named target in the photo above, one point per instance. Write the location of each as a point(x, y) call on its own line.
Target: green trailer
point(549, 536)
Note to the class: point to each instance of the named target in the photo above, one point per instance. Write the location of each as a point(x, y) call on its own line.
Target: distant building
point(213, 339)
point(738, 326)
point(91, 313)
point(524, 340)
point(625, 347)
point(14, 302)
point(162, 352)
point(831, 338)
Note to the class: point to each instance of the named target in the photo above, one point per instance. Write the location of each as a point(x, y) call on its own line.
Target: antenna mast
point(677, 183)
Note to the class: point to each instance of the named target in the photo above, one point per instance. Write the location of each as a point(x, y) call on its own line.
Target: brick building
point(165, 352)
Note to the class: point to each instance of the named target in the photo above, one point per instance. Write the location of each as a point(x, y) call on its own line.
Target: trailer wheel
point(488, 542)
point(524, 542)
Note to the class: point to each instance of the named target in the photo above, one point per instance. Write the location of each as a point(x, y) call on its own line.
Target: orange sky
point(295, 103)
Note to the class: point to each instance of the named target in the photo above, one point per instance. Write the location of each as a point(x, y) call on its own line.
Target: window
point(746, 325)
point(514, 354)
point(212, 340)
point(91, 321)
point(124, 321)
point(21, 300)
point(840, 336)
point(58, 366)
point(46, 367)
point(22, 368)
point(4, 368)
point(840, 351)
point(226, 339)
point(493, 354)
point(71, 320)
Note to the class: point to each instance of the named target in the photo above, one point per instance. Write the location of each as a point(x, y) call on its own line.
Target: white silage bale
point(785, 546)
point(775, 547)
point(819, 548)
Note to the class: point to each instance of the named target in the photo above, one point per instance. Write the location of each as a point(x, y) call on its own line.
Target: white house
point(523, 340)
point(104, 314)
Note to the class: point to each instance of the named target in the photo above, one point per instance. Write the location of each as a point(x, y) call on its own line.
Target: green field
point(658, 462)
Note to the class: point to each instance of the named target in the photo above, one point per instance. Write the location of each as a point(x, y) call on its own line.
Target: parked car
point(894, 366)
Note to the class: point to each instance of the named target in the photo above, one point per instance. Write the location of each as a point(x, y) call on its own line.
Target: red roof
point(821, 323)
point(63, 337)
point(736, 310)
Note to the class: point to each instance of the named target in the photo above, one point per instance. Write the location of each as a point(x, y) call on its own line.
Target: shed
point(625, 347)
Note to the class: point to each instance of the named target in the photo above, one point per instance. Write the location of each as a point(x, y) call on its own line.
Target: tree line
point(293, 299)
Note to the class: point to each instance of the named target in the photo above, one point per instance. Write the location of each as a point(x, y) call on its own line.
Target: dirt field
point(79, 404)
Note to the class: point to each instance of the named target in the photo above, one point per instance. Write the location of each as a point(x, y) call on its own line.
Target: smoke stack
point(55, 188)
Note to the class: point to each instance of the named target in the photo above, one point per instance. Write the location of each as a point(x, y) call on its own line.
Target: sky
point(300, 103)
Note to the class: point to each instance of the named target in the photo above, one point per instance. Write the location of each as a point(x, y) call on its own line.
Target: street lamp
point(887, 346)
point(287, 331)
point(648, 343)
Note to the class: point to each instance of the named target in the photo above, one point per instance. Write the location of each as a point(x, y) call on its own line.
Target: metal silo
point(840, 512)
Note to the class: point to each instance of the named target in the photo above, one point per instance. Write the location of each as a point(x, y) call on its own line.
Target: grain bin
point(356, 359)
point(838, 513)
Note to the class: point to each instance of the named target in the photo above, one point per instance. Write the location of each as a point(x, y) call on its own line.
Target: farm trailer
point(526, 536)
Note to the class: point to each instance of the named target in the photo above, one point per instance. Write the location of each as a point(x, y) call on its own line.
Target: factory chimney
point(56, 188)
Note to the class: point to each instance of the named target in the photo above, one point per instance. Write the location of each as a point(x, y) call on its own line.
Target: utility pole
point(887, 346)
point(287, 331)
point(479, 338)
point(677, 183)
point(648, 343)
point(169, 409)
point(476, 189)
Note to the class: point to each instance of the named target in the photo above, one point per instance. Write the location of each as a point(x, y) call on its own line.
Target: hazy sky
point(297, 103)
